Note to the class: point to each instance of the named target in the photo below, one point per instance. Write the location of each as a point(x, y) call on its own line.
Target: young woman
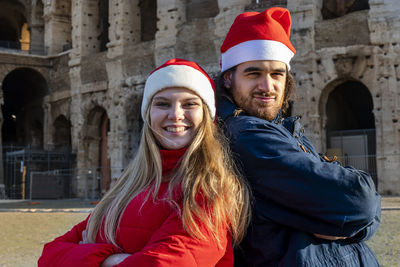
point(179, 202)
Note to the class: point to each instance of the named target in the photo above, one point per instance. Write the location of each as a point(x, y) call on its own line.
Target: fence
point(20, 162)
point(67, 183)
point(356, 148)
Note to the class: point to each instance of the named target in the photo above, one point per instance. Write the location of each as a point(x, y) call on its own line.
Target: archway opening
point(350, 126)
point(148, 19)
point(336, 8)
point(96, 148)
point(23, 115)
point(22, 128)
point(12, 20)
point(104, 24)
point(62, 133)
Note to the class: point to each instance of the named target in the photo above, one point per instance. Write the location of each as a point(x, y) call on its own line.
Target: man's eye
point(252, 74)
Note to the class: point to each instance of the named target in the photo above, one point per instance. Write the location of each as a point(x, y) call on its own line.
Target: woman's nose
point(176, 113)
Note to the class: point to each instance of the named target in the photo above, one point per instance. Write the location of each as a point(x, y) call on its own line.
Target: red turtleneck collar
point(170, 159)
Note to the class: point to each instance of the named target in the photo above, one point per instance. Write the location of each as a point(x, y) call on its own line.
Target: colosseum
point(72, 74)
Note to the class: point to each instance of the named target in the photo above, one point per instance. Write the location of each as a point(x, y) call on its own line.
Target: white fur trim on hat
point(179, 76)
point(256, 50)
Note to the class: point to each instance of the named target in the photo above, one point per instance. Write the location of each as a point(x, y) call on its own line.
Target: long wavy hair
point(206, 170)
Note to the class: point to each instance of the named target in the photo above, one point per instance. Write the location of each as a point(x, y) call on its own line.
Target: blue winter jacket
point(297, 193)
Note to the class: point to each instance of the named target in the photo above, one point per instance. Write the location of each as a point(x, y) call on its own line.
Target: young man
point(307, 210)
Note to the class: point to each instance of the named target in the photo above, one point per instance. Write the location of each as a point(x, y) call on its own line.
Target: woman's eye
point(161, 104)
point(190, 104)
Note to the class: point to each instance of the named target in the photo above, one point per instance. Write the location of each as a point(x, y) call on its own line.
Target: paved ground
point(27, 226)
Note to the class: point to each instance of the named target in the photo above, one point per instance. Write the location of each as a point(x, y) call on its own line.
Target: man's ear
point(228, 79)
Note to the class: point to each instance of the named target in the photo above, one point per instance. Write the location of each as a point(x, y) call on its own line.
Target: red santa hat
point(180, 73)
point(258, 36)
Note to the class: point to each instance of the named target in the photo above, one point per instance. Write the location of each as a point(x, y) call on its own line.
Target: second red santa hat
point(258, 36)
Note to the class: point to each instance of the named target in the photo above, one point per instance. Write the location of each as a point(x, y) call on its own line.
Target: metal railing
point(19, 162)
point(68, 183)
point(9, 46)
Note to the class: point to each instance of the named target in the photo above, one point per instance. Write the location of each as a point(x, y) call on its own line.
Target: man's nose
point(176, 112)
point(265, 83)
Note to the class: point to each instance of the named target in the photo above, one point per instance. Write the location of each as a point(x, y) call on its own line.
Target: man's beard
point(259, 110)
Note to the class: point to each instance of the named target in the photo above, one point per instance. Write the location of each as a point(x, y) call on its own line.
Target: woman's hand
point(84, 238)
point(114, 259)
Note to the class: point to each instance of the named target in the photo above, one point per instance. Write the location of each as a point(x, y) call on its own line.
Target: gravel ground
point(23, 235)
point(386, 242)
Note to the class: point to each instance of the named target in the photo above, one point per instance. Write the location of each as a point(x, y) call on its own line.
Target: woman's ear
point(228, 79)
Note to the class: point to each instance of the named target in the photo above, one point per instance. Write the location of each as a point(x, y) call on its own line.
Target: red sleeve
point(227, 259)
point(171, 245)
point(65, 250)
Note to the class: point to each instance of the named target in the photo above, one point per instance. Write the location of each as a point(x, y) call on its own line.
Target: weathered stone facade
point(95, 56)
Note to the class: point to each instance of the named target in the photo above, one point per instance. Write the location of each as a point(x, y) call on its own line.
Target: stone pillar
point(125, 39)
point(48, 142)
point(124, 27)
point(303, 18)
point(85, 27)
point(37, 39)
point(76, 116)
point(57, 32)
point(171, 15)
point(2, 186)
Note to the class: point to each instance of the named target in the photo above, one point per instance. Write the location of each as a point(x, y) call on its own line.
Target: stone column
point(48, 142)
point(85, 27)
point(171, 15)
point(2, 186)
point(37, 39)
point(57, 32)
point(124, 34)
point(124, 30)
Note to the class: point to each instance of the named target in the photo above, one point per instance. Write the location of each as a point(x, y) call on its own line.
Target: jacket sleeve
point(66, 250)
point(171, 246)
point(297, 189)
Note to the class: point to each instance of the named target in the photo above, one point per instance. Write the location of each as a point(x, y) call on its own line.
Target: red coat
point(152, 233)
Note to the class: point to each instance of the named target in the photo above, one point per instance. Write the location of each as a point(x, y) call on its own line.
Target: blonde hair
point(206, 170)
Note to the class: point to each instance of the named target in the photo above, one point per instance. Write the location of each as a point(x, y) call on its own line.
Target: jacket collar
point(170, 159)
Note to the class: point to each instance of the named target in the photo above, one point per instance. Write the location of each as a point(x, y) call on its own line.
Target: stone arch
point(148, 19)
point(95, 145)
point(23, 115)
point(348, 124)
point(12, 21)
point(62, 133)
point(336, 8)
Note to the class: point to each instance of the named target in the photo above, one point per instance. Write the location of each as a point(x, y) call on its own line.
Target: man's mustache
point(263, 94)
